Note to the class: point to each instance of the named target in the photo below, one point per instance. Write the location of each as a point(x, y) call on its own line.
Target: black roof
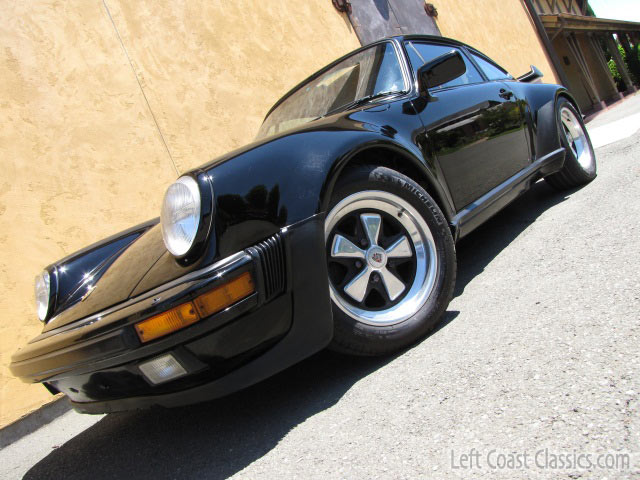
point(433, 38)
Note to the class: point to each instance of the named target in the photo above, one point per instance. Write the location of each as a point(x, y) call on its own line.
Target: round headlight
point(180, 217)
point(43, 294)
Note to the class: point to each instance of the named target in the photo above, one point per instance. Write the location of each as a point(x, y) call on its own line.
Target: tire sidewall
point(373, 339)
point(571, 162)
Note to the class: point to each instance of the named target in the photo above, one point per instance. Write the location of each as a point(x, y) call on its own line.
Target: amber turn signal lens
point(206, 304)
point(221, 297)
point(167, 322)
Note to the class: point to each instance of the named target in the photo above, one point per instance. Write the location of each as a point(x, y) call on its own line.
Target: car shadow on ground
point(478, 249)
point(219, 438)
point(210, 440)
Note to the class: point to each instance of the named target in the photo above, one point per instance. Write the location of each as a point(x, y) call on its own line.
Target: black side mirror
point(441, 70)
point(529, 77)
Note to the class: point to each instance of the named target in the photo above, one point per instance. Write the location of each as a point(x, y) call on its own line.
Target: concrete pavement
point(616, 124)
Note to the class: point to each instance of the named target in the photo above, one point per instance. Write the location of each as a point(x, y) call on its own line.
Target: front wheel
point(580, 160)
point(391, 261)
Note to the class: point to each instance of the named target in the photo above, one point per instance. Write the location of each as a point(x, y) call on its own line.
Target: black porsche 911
point(336, 227)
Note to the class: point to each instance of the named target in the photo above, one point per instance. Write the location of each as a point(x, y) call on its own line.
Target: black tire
point(573, 173)
point(354, 337)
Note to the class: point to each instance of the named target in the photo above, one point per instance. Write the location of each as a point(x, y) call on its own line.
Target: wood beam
point(624, 41)
point(595, 24)
point(587, 77)
point(602, 61)
point(617, 58)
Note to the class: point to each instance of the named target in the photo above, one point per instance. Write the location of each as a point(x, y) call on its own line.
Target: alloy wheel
point(382, 258)
point(576, 138)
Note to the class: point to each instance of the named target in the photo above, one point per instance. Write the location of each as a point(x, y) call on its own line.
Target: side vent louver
point(270, 253)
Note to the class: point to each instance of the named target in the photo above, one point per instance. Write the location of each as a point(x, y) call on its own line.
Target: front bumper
point(95, 361)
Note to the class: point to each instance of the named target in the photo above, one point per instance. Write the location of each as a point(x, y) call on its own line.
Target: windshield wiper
point(368, 98)
point(363, 100)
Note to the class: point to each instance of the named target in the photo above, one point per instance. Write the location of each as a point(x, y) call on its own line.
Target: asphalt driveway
point(538, 352)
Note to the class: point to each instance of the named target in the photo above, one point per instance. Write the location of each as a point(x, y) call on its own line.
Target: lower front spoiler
point(307, 335)
point(306, 301)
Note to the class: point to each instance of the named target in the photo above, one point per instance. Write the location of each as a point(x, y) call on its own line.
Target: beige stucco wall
point(90, 135)
point(212, 69)
point(574, 74)
point(502, 29)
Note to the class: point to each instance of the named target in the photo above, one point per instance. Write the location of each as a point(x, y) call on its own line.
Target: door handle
point(506, 94)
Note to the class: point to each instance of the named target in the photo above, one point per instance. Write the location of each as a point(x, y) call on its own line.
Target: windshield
point(372, 71)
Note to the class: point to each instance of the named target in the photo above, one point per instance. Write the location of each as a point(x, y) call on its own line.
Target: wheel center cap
point(376, 257)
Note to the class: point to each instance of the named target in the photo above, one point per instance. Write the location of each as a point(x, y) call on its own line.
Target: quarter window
point(491, 70)
point(421, 53)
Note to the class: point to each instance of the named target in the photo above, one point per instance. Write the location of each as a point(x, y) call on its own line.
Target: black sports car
point(336, 227)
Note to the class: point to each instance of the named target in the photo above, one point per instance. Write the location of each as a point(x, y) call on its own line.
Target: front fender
point(290, 178)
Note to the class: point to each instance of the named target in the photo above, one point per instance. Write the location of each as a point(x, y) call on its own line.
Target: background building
point(502, 29)
point(103, 103)
point(582, 44)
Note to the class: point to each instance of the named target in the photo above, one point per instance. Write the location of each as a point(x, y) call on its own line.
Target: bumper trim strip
point(195, 275)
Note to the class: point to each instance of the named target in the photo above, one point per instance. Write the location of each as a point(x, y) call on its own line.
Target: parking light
point(167, 322)
point(162, 369)
point(221, 297)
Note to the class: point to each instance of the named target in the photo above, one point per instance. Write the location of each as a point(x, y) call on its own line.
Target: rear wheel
point(580, 161)
point(391, 261)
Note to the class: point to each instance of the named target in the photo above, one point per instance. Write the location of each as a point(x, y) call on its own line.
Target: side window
point(421, 53)
point(491, 70)
point(387, 71)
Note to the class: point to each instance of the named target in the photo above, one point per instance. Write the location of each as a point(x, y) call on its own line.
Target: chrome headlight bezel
point(199, 187)
point(43, 297)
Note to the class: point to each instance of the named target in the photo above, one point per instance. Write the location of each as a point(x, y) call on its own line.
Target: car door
point(474, 126)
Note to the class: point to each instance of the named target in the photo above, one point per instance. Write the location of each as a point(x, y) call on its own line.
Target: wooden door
point(376, 19)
